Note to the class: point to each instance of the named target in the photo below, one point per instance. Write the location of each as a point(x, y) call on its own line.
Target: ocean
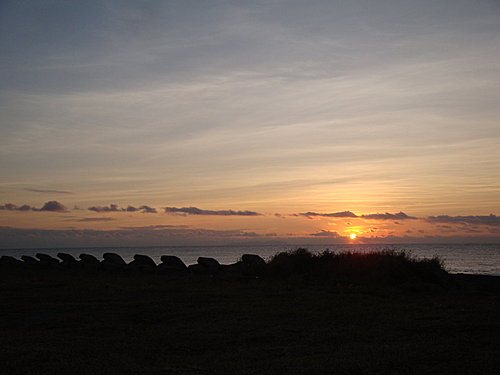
point(481, 259)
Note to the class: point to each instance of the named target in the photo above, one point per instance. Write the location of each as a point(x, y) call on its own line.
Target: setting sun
point(352, 236)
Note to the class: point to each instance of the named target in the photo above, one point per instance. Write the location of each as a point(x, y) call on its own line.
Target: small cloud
point(325, 233)
point(198, 211)
point(148, 210)
point(53, 206)
point(14, 207)
point(110, 208)
point(388, 216)
point(49, 191)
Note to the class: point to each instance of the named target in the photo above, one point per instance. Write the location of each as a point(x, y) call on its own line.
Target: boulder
point(8, 261)
point(171, 264)
point(198, 269)
point(142, 262)
point(46, 259)
point(253, 264)
point(210, 263)
point(253, 260)
point(237, 268)
point(89, 259)
point(113, 262)
point(30, 260)
point(113, 258)
point(66, 258)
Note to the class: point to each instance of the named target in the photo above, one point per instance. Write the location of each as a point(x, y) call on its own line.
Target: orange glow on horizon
point(352, 236)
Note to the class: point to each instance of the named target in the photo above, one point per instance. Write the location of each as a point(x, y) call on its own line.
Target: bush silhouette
point(388, 267)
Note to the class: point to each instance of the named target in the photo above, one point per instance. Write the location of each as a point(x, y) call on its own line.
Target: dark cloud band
point(198, 211)
point(50, 206)
point(114, 208)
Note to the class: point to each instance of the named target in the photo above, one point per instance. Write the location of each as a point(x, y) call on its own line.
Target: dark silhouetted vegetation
point(387, 267)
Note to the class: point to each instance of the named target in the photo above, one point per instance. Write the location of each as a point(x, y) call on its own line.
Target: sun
point(352, 236)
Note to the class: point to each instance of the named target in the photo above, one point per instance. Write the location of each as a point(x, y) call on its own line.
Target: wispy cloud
point(198, 211)
point(48, 191)
point(92, 219)
point(388, 216)
point(384, 216)
point(491, 220)
point(334, 214)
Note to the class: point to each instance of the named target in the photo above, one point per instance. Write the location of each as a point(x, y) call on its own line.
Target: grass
point(62, 321)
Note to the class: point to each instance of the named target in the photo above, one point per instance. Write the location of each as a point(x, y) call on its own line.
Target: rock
point(8, 261)
point(142, 262)
point(253, 264)
point(253, 260)
point(46, 259)
point(89, 259)
point(210, 263)
point(113, 262)
point(198, 269)
point(205, 266)
point(66, 258)
point(113, 258)
point(235, 268)
point(173, 262)
point(144, 259)
point(30, 260)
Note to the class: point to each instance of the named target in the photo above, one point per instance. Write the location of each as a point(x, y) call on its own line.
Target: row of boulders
point(250, 264)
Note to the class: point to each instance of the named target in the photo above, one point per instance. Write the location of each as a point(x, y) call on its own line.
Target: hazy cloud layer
point(115, 208)
point(49, 191)
point(198, 211)
point(133, 236)
point(335, 214)
point(491, 219)
point(50, 206)
point(384, 216)
point(92, 219)
point(388, 216)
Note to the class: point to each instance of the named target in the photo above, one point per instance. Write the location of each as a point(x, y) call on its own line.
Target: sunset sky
point(201, 122)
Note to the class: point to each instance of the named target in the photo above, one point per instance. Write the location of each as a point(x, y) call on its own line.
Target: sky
point(201, 122)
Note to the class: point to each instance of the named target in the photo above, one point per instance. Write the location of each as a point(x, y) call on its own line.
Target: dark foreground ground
point(61, 322)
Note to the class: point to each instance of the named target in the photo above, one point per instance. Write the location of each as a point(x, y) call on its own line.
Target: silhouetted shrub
point(388, 267)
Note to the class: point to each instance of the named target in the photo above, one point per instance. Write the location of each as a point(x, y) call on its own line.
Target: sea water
point(458, 258)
